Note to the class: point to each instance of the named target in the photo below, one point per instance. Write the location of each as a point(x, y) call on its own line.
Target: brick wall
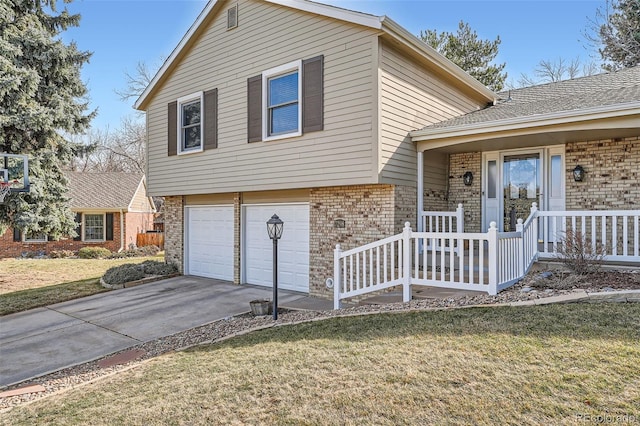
point(370, 213)
point(469, 196)
point(612, 178)
point(136, 223)
point(174, 231)
point(10, 248)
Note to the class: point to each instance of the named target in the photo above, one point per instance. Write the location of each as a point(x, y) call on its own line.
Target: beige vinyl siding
point(411, 97)
point(268, 36)
point(436, 171)
point(140, 201)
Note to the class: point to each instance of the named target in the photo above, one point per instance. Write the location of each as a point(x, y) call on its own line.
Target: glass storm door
point(521, 186)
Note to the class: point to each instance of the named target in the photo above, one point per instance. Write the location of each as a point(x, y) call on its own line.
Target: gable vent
point(232, 17)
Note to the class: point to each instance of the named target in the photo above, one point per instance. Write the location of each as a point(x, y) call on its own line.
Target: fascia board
point(564, 117)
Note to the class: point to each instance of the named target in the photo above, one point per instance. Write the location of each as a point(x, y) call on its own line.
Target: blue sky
point(121, 33)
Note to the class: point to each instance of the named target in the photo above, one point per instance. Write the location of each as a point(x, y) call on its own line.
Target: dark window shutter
point(17, 236)
point(109, 226)
point(254, 108)
point(172, 129)
point(313, 94)
point(78, 228)
point(211, 119)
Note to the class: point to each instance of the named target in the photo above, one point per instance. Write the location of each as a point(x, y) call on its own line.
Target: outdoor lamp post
point(274, 228)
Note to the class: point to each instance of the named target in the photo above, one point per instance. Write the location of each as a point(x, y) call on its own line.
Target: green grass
point(510, 365)
point(19, 301)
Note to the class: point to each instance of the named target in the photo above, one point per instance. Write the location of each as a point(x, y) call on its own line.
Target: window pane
point(284, 119)
point(191, 137)
point(283, 89)
point(191, 113)
point(93, 227)
point(556, 176)
point(35, 236)
point(492, 178)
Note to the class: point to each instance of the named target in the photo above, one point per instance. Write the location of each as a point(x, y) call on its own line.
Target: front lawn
point(553, 364)
point(30, 283)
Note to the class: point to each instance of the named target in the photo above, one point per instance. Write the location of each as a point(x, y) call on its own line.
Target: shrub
point(133, 272)
point(153, 267)
point(94, 253)
point(137, 252)
point(577, 253)
point(123, 274)
point(61, 254)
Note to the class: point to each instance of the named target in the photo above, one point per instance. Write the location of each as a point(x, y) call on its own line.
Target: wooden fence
point(151, 239)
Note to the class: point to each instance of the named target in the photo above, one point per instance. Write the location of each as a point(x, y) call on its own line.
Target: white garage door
point(209, 242)
point(293, 248)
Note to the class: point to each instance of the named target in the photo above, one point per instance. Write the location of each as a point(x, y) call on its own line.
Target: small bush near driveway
point(132, 272)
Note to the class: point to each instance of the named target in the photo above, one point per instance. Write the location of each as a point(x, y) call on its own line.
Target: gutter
point(121, 231)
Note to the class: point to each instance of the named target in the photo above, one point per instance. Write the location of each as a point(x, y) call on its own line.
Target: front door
point(521, 186)
point(513, 180)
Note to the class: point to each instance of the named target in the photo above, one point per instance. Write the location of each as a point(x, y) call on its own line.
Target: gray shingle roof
point(108, 191)
point(568, 95)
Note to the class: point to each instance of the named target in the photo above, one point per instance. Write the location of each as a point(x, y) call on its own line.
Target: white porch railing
point(616, 232)
point(442, 222)
point(490, 261)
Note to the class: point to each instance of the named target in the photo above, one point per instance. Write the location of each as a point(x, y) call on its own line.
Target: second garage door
point(293, 248)
point(209, 242)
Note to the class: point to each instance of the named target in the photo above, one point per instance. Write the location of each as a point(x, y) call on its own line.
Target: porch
point(443, 255)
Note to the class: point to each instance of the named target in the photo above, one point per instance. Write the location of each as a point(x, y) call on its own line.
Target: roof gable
point(383, 23)
point(103, 191)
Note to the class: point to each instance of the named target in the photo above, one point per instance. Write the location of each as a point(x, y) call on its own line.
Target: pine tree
point(620, 35)
point(469, 53)
point(41, 97)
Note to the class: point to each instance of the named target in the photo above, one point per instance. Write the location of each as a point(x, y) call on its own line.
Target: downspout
point(121, 231)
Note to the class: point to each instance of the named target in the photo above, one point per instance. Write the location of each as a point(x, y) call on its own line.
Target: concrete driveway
point(43, 340)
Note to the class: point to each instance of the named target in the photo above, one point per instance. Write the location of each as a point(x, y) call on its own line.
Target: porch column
point(420, 189)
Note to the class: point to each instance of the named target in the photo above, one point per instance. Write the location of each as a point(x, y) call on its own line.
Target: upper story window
point(281, 100)
point(190, 123)
point(286, 101)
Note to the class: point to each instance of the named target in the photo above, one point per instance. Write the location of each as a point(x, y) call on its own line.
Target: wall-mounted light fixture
point(578, 173)
point(467, 178)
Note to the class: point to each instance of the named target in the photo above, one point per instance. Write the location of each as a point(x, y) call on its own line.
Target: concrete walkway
point(44, 340)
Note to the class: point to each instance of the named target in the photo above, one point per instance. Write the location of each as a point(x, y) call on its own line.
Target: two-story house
point(330, 119)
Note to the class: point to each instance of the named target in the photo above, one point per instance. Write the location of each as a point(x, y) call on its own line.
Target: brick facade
point(469, 196)
point(370, 212)
point(174, 231)
point(612, 178)
point(10, 248)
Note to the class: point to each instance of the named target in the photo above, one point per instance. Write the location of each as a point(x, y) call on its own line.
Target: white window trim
point(104, 228)
point(26, 239)
point(274, 72)
point(184, 100)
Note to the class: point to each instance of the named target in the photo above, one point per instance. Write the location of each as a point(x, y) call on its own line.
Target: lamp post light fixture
point(578, 173)
point(274, 227)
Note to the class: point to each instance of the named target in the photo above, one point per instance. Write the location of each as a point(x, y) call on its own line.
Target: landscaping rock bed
point(536, 285)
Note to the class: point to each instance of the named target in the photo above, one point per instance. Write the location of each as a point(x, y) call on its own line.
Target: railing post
point(521, 265)
point(534, 233)
point(420, 189)
point(460, 218)
point(336, 276)
point(492, 238)
point(406, 262)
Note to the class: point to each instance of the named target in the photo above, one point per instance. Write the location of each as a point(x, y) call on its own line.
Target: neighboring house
point(306, 110)
point(111, 209)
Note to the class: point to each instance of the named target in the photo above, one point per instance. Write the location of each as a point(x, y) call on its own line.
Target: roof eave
point(555, 118)
point(440, 61)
